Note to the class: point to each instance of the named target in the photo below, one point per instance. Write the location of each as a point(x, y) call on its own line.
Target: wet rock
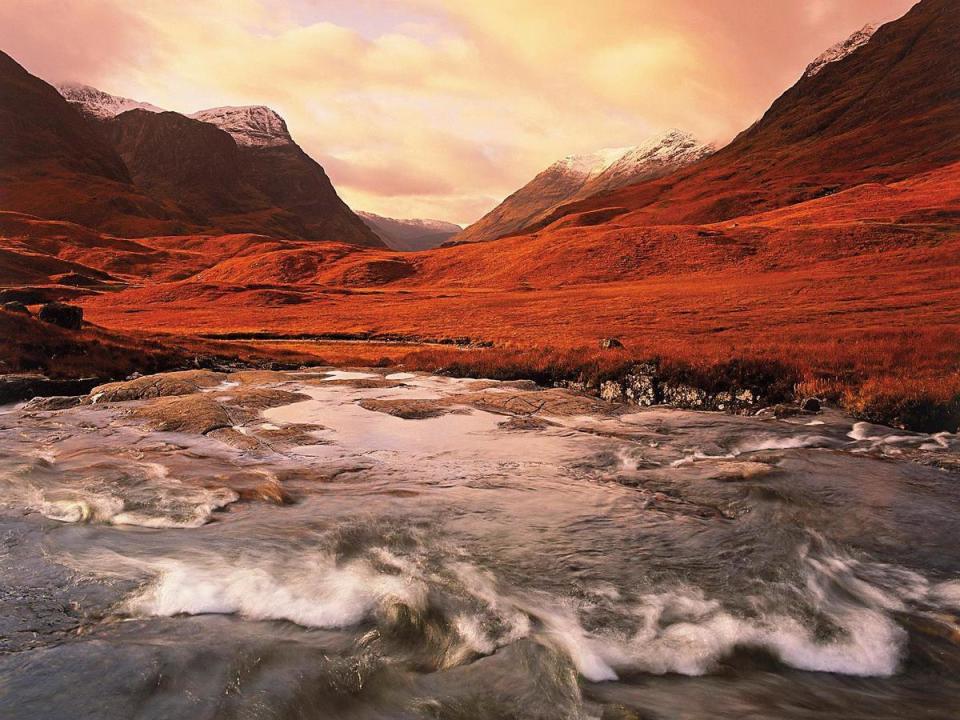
point(521, 424)
point(62, 315)
point(184, 382)
point(409, 409)
point(550, 401)
point(610, 343)
point(235, 438)
point(358, 383)
point(56, 402)
point(15, 306)
point(295, 434)
point(199, 414)
point(810, 404)
point(736, 470)
point(270, 491)
point(781, 410)
point(257, 399)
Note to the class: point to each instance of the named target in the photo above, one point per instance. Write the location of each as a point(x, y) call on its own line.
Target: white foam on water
point(315, 592)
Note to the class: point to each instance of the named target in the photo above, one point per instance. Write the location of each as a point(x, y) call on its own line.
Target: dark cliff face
point(55, 164)
point(887, 111)
point(143, 173)
point(277, 190)
point(296, 183)
point(38, 125)
point(175, 158)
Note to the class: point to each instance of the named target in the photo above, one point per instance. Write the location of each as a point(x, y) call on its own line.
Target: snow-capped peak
point(841, 49)
point(252, 125)
point(590, 164)
point(670, 147)
point(100, 104)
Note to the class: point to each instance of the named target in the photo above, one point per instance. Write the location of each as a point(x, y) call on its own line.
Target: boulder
point(810, 404)
point(63, 315)
point(16, 306)
point(56, 402)
point(684, 396)
point(610, 343)
point(640, 385)
point(612, 391)
point(195, 414)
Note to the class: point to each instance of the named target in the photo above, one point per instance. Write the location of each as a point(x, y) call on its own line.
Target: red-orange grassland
point(860, 291)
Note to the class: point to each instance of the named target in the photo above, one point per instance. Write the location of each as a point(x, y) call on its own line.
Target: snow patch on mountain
point(590, 164)
point(841, 49)
point(671, 148)
point(100, 104)
point(611, 165)
point(250, 125)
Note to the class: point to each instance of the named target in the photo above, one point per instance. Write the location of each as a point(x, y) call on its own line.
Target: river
point(394, 545)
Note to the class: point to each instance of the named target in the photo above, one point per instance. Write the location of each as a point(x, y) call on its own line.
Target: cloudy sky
point(440, 108)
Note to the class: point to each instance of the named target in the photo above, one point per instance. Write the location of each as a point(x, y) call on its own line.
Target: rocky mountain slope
point(410, 235)
point(131, 168)
point(888, 109)
point(54, 163)
point(841, 49)
point(580, 176)
point(277, 168)
point(99, 104)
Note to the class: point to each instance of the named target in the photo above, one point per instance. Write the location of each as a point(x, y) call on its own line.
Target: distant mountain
point(99, 104)
point(878, 110)
point(410, 235)
point(577, 177)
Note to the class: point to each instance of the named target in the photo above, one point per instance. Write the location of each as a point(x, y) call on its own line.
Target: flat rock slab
point(185, 382)
point(198, 414)
point(555, 402)
point(410, 409)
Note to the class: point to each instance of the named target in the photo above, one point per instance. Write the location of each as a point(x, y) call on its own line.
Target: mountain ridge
point(577, 177)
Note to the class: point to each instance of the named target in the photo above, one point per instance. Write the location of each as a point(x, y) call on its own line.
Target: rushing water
point(485, 561)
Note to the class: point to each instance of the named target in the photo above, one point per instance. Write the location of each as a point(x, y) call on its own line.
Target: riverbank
point(616, 374)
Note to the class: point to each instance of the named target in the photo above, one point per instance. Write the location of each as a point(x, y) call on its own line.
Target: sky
point(441, 108)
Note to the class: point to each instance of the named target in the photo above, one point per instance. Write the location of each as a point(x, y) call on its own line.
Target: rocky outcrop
point(744, 389)
point(16, 306)
point(184, 382)
point(69, 317)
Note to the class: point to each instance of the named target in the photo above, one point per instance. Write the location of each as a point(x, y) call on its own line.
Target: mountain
point(841, 49)
point(187, 162)
point(410, 235)
point(250, 126)
point(99, 104)
point(580, 176)
point(276, 167)
point(54, 163)
point(884, 111)
point(230, 169)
